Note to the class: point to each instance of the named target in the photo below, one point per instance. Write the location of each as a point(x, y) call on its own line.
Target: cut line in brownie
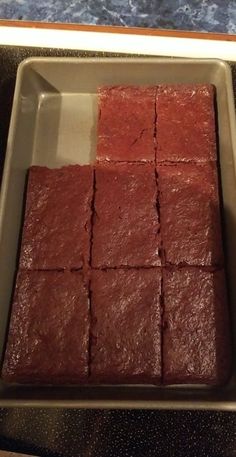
point(196, 340)
point(190, 214)
point(126, 223)
point(186, 125)
point(126, 123)
point(57, 225)
point(49, 329)
point(126, 326)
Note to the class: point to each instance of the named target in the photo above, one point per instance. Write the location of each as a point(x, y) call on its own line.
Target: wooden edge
point(122, 30)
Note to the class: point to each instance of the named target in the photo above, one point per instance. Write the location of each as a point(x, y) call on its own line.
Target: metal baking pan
point(53, 123)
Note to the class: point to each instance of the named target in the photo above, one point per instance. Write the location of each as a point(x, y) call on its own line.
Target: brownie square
point(196, 342)
point(126, 326)
point(126, 123)
point(49, 329)
point(190, 214)
point(186, 127)
point(57, 228)
point(126, 224)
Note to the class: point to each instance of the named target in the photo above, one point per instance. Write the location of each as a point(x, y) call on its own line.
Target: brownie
point(57, 229)
point(126, 224)
point(190, 214)
point(186, 127)
point(196, 342)
point(126, 123)
point(49, 329)
point(126, 326)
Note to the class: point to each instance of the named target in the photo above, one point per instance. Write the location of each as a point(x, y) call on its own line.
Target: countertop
point(205, 15)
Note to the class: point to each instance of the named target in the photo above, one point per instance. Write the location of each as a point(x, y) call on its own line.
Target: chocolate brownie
point(49, 329)
point(126, 326)
point(126, 123)
point(196, 342)
point(190, 214)
point(186, 128)
point(126, 225)
point(57, 225)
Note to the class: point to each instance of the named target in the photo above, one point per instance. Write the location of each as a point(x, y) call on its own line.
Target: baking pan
point(53, 123)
